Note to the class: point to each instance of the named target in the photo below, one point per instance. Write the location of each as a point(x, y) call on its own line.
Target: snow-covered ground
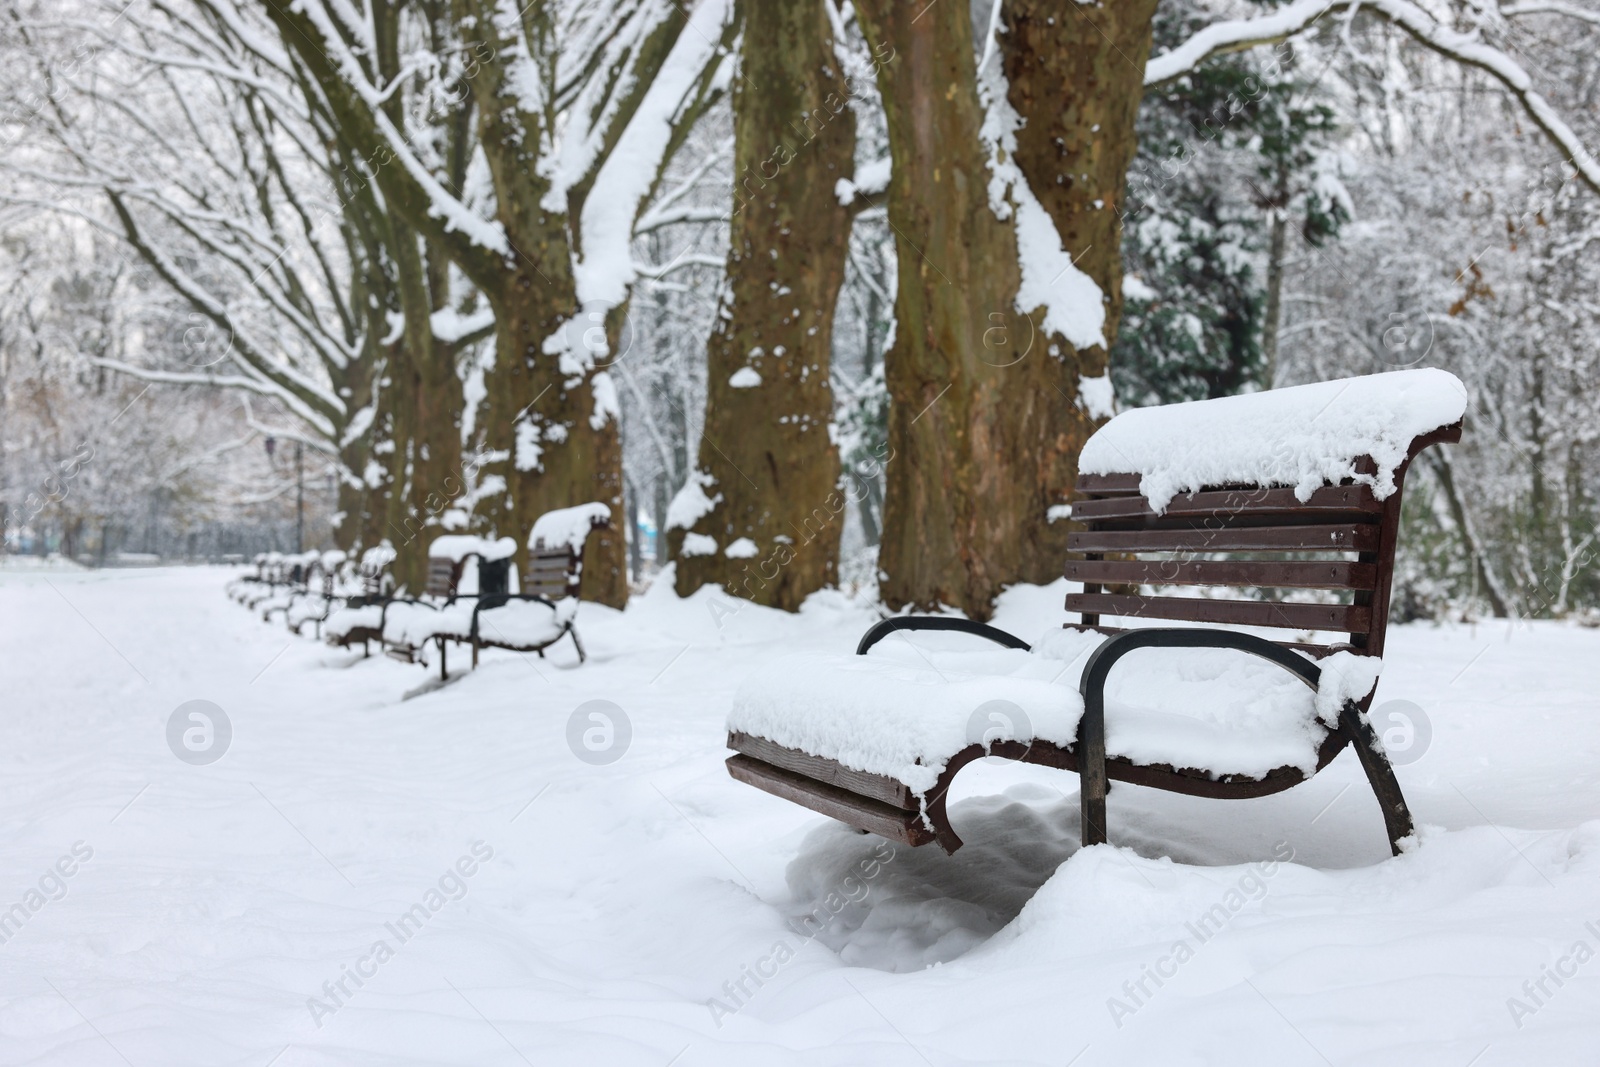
point(367, 878)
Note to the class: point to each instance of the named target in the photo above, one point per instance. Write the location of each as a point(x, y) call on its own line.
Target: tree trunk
point(551, 434)
point(1499, 603)
point(988, 410)
point(1272, 315)
point(773, 467)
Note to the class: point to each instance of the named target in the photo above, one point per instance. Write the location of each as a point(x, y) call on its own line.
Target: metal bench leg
point(576, 643)
point(444, 675)
point(1092, 769)
point(1380, 773)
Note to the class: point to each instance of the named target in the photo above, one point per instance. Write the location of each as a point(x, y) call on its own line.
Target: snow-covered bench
point(1292, 490)
point(543, 612)
point(242, 586)
point(301, 572)
point(360, 617)
point(460, 566)
point(325, 586)
point(270, 571)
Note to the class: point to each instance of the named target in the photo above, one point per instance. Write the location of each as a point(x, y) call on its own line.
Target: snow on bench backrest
point(1304, 436)
point(569, 527)
point(457, 547)
point(447, 576)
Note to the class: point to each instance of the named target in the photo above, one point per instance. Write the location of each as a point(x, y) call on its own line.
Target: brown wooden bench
point(303, 573)
point(1257, 540)
point(440, 594)
point(553, 580)
point(361, 617)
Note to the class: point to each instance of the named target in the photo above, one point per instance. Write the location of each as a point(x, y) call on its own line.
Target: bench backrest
point(1341, 540)
point(555, 570)
point(444, 574)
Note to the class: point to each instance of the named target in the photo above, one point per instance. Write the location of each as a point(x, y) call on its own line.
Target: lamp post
point(299, 499)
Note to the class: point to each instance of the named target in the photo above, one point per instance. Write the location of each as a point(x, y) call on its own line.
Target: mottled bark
point(1076, 76)
point(986, 417)
point(766, 443)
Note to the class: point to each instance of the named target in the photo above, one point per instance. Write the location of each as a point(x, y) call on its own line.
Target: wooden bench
point(328, 585)
point(360, 619)
point(441, 593)
point(271, 572)
point(302, 574)
point(508, 620)
point(1253, 539)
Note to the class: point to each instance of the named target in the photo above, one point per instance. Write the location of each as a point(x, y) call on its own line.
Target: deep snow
point(613, 910)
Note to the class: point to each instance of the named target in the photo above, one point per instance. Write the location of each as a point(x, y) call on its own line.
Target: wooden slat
point(1346, 618)
point(441, 576)
point(1108, 484)
point(1323, 503)
point(850, 809)
point(1313, 649)
point(1333, 537)
point(830, 772)
point(1264, 574)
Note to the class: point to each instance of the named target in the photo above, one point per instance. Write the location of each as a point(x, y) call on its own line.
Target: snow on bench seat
point(526, 624)
point(1305, 436)
point(903, 713)
point(413, 625)
point(347, 619)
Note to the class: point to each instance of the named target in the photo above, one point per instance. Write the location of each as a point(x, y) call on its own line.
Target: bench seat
point(525, 625)
point(351, 623)
point(895, 714)
point(412, 624)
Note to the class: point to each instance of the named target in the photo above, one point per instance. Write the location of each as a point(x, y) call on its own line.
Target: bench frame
point(1345, 518)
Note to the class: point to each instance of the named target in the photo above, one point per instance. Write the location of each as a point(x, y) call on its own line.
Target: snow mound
point(1306, 436)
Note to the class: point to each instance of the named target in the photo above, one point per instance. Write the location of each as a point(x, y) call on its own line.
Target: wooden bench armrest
point(938, 622)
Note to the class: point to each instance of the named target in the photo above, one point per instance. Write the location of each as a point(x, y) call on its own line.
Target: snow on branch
point(624, 181)
point(1552, 7)
point(1467, 49)
point(1235, 35)
point(261, 386)
point(697, 259)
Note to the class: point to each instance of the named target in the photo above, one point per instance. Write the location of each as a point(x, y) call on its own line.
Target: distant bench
point(475, 596)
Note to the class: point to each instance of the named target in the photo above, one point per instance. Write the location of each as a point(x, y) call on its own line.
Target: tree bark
point(773, 466)
point(988, 410)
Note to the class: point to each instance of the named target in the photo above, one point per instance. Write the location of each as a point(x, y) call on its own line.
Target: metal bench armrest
point(938, 622)
point(1091, 741)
